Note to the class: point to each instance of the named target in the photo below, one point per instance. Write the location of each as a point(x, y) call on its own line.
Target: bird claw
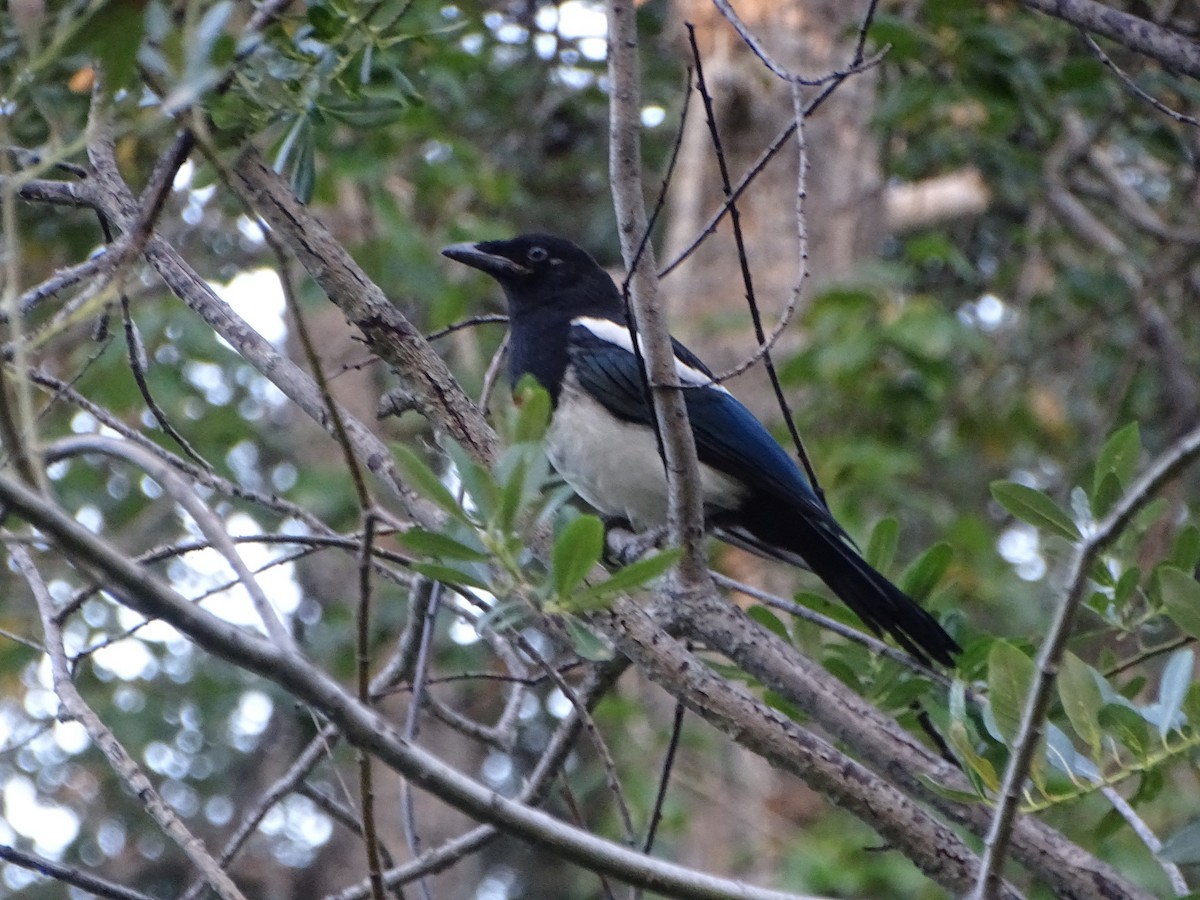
point(624, 546)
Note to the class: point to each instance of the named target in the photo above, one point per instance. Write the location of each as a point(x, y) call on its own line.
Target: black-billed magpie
point(569, 332)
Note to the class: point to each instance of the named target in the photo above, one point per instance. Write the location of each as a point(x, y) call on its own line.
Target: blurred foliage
point(994, 384)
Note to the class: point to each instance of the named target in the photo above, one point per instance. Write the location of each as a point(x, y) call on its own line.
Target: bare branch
point(1133, 85)
point(779, 71)
point(887, 748)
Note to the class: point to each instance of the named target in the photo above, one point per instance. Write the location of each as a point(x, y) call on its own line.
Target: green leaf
point(1061, 753)
point(982, 772)
point(112, 32)
point(1149, 788)
point(1036, 508)
point(576, 550)
point(504, 615)
point(1101, 574)
point(512, 488)
point(304, 171)
point(951, 793)
point(1186, 553)
point(296, 155)
point(1126, 726)
point(326, 25)
point(449, 575)
point(924, 573)
point(586, 643)
point(1106, 494)
point(1126, 585)
point(209, 29)
point(1181, 598)
point(1172, 690)
point(1110, 823)
point(531, 404)
point(439, 546)
point(769, 621)
point(1081, 700)
point(1010, 673)
point(634, 575)
point(423, 480)
point(372, 110)
point(881, 549)
point(1183, 847)
point(1119, 456)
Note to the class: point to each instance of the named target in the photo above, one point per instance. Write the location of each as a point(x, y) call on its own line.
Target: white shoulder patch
point(610, 331)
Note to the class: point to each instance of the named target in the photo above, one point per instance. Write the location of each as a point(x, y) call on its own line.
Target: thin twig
point(572, 806)
point(778, 143)
point(316, 750)
point(470, 322)
point(347, 819)
point(1133, 85)
point(492, 374)
point(765, 342)
point(871, 642)
point(595, 685)
point(412, 722)
point(664, 777)
point(750, 40)
point(137, 365)
point(1126, 811)
point(363, 645)
point(68, 875)
point(206, 520)
point(61, 280)
point(74, 707)
point(660, 202)
point(1175, 50)
point(1166, 467)
point(320, 747)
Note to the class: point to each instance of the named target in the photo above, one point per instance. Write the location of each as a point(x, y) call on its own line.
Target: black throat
point(538, 347)
point(540, 321)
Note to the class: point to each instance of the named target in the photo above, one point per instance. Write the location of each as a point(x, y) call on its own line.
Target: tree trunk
point(843, 205)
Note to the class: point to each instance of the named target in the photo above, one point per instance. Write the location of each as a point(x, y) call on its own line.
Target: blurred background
point(1001, 273)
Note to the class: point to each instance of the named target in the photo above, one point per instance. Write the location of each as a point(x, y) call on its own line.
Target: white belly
point(615, 466)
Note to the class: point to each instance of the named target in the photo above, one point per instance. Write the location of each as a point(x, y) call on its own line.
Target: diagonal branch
point(68, 875)
point(1168, 465)
point(931, 845)
point(1170, 48)
point(75, 707)
point(890, 750)
point(362, 726)
point(386, 330)
point(206, 520)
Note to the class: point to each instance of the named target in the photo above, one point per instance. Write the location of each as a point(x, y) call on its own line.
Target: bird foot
point(623, 545)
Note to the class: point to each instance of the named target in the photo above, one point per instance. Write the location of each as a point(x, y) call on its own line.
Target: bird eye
point(536, 254)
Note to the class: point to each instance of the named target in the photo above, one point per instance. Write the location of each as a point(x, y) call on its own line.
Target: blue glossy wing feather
point(728, 436)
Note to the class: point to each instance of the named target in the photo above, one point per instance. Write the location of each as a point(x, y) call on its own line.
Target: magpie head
point(540, 270)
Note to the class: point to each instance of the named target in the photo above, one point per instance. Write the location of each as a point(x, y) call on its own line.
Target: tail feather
point(869, 594)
